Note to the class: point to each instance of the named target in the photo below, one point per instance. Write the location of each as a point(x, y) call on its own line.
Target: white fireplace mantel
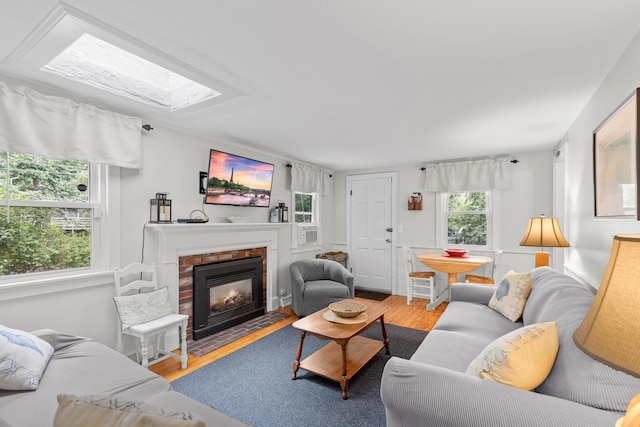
point(164, 243)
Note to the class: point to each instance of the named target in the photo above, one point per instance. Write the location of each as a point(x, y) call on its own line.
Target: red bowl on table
point(456, 252)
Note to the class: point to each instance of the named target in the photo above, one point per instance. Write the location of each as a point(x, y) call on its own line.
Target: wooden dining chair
point(420, 282)
point(489, 269)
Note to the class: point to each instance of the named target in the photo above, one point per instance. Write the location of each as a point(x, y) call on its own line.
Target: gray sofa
point(432, 389)
point(316, 283)
point(81, 366)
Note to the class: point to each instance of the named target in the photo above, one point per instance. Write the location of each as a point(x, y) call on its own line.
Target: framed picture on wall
point(615, 163)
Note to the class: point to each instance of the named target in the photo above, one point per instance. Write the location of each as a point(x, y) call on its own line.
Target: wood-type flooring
point(411, 316)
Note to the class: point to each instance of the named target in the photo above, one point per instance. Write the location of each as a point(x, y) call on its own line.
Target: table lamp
point(610, 332)
point(544, 232)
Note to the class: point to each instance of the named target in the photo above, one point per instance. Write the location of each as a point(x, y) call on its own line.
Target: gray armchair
point(316, 283)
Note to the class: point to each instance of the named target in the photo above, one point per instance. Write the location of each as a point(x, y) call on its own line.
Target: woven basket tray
point(347, 308)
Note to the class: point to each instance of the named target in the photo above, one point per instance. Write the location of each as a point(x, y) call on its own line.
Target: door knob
point(388, 240)
point(390, 229)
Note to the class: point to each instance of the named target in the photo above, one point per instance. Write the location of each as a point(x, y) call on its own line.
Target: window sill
point(12, 287)
point(310, 248)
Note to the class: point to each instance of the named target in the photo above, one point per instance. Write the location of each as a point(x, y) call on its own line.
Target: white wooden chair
point(147, 315)
point(420, 282)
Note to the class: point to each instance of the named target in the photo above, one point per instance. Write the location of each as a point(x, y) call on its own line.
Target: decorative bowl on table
point(456, 252)
point(347, 308)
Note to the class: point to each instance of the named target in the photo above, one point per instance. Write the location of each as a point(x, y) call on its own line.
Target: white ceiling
point(351, 84)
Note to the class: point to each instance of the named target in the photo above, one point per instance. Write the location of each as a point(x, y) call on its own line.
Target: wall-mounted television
point(238, 181)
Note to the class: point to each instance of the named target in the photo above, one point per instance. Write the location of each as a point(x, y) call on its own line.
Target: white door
point(370, 229)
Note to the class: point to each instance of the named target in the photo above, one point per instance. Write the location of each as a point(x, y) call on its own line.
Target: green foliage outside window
point(304, 207)
point(31, 242)
point(33, 236)
point(467, 218)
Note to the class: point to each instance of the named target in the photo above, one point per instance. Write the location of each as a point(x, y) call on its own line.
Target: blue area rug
point(254, 384)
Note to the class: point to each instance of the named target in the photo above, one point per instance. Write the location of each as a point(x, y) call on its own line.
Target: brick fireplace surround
point(176, 248)
point(185, 270)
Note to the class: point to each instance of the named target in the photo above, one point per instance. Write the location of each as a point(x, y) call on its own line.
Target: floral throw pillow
point(511, 295)
point(23, 359)
point(144, 307)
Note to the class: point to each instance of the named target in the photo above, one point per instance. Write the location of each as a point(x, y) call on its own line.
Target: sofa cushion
point(461, 333)
point(23, 359)
point(522, 358)
point(98, 410)
point(511, 295)
point(316, 288)
point(575, 376)
point(143, 307)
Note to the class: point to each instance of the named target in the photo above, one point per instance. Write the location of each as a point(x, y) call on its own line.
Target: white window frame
point(104, 200)
point(316, 221)
point(442, 228)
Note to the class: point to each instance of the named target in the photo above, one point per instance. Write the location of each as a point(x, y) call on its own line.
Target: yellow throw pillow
point(522, 358)
point(511, 295)
point(97, 411)
point(632, 418)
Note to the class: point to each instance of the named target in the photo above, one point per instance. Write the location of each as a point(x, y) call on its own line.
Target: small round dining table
point(453, 265)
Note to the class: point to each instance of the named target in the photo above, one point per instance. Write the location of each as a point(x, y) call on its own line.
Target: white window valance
point(307, 179)
point(472, 175)
point(59, 128)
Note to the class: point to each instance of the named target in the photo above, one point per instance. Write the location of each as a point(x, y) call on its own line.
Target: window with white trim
point(306, 219)
point(467, 218)
point(48, 214)
point(304, 207)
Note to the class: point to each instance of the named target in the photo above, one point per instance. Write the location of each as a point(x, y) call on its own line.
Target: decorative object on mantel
point(544, 232)
point(160, 209)
point(279, 213)
point(610, 332)
point(284, 212)
point(239, 219)
point(274, 215)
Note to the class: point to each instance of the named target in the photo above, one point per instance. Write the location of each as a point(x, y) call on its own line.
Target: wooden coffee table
point(347, 352)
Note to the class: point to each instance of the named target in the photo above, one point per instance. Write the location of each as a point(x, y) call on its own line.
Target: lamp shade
point(544, 232)
point(610, 332)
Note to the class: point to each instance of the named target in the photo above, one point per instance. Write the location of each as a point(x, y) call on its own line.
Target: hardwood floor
point(411, 316)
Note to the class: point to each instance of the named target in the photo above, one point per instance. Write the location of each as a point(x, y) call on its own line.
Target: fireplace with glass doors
point(225, 294)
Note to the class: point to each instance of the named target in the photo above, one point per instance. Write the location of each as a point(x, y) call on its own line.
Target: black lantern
point(160, 209)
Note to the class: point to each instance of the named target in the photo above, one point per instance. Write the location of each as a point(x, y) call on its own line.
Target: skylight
point(97, 63)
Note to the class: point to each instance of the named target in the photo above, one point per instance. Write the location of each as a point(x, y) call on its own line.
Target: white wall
point(172, 162)
point(530, 194)
point(591, 238)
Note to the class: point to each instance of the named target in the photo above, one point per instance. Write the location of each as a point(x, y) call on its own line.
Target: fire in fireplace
point(225, 294)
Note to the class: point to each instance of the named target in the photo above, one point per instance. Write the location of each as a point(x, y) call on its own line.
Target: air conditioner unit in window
point(307, 234)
